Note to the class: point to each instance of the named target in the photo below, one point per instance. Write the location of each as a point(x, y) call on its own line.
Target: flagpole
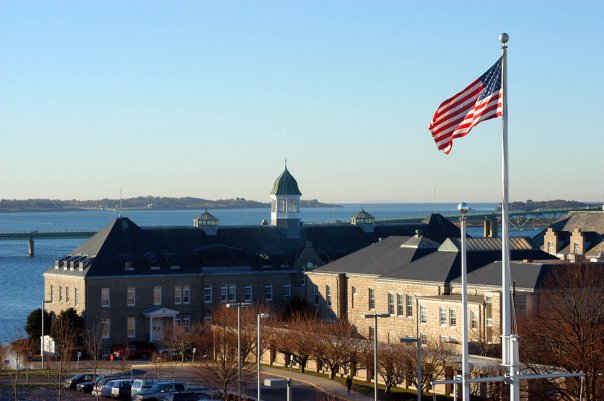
point(506, 307)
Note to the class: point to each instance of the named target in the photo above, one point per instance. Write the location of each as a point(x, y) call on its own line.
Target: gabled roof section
point(285, 184)
point(439, 228)
point(375, 259)
point(420, 242)
point(586, 221)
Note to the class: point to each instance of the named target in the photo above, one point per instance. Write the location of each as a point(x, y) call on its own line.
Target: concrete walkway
point(325, 385)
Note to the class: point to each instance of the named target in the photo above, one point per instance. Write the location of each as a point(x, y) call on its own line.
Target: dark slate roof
point(363, 215)
point(206, 216)
point(377, 259)
point(522, 275)
point(285, 184)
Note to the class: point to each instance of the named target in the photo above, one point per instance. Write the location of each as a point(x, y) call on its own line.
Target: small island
point(139, 203)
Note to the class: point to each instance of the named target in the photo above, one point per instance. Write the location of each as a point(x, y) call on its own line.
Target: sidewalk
point(323, 384)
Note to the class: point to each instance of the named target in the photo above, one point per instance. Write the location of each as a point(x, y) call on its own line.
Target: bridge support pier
point(30, 247)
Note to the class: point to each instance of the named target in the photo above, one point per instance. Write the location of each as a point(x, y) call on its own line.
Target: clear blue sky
point(207, 98)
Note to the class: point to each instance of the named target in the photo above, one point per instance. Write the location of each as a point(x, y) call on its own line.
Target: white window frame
point(400, 305)
point(76, 294)
point(442, 316)
point(353, 295)
point(60, 294)
point(247, 293)
point(315, 294)
point(232, 292)
point(287, 291)
point(131, 327)
point(66, 295)
point(268, 292)
point(423, 314)
point(131, 291)
point(328, 295)
point(473, 319)
point(224, 292)
point(207, 294)
point(391, 303)
point(408, 306)
point(371, 299)
point(157, 295)
point(186, 323)
point(186, 294)
point(105, 297)
point(52, 294)
point(452, 317)
point(177, 295)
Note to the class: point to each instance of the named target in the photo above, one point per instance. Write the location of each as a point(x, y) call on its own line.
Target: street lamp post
point(259, 348)
point(375, 349)
point(42, 345)
point(417, 340)
point(238, 305)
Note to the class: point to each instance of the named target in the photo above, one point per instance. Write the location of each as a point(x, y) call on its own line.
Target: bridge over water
point(518, 220)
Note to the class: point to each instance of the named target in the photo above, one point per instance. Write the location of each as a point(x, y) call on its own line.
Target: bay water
point(21, 281)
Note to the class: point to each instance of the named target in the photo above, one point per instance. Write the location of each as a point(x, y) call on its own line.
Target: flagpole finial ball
point(463, 208)
point(504, 37)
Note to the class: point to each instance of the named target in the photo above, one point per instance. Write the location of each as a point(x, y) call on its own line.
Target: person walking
point(349, 383)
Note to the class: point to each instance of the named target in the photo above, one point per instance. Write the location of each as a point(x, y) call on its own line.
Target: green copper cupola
point(285, 204)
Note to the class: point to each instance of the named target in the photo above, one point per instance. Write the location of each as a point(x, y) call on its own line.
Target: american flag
point(481, 100)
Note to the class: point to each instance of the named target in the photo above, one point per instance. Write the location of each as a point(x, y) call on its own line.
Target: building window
point(105, 328)
point(489, 311)
point(186, 294)
point(67, 294)
point(391, 304)
point(177, 320)
point(224, 292)
point(442, 319)
point(177, 295)
point(52, 294)
point(232, 292)
point(315, 291)
point(157, 295)
point(131, 296)
point(473, 319)
point(60, 294)
point(400, 306)
point(247, 293)
point(452, 317)
point(207, 293)
point(268, 291)
point(76, 294)
point(353, 296)
point(550, 247)
point(423, 314)
point(576, 249)
point(453, 340)
point(424, 338)
point(371, 333)
point(131, 327)
point(443, 339)
point(207, 318)
point(105, 297)
point(287, 291)
point(186, 323)
point(409, 306)
point(371, 298)
point(328, 295)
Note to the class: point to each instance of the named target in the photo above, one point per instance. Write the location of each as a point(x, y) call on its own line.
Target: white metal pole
point(463, 209)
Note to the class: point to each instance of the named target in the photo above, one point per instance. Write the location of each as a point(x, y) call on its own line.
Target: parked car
point(86, 387)
point(104, 389)
point(142, 384)
point(73, 381)
point(187, 396)
point(121, 388)
point(160, 391)
point(134, 350)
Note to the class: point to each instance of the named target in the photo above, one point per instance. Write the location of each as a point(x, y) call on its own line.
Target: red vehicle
point(134, 350)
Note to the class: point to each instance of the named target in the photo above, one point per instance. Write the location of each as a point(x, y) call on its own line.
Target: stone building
point(579, 235)
point(418, 282)
point(136, 281)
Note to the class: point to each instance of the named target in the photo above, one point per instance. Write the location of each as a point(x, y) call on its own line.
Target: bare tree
point(566, 332)
point(391, 364)
point(66, 332)
point(335, 344)
point(221, 371)
point(179, 339)
point(18, 351)
point(434, 359)
point(297, 339)
point(93, 344)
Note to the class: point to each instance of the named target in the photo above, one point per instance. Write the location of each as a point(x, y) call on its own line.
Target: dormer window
point(127, 262)
point(152, 261)
point(171, 260)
